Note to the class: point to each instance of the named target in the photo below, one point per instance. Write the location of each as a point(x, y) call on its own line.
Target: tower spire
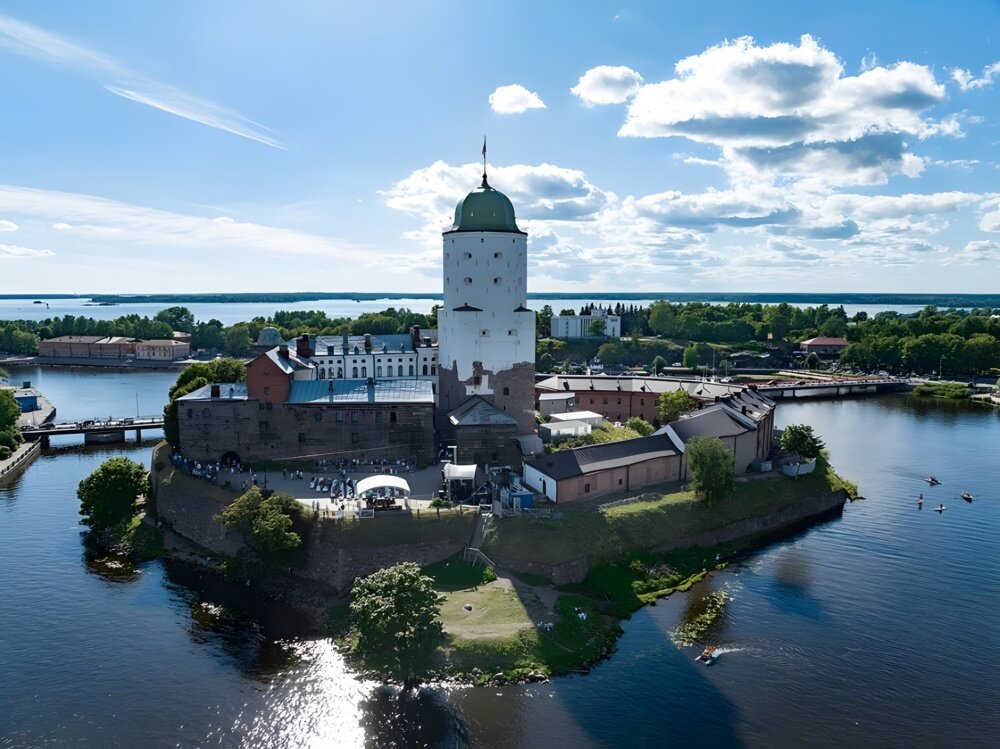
point(484, 161)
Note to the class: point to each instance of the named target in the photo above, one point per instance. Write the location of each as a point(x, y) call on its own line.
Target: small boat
point(939, 508)
point(710, 655)
point(932, 481)
point(966, 496)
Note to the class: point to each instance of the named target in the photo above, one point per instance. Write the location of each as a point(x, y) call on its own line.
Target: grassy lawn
point(951, 390)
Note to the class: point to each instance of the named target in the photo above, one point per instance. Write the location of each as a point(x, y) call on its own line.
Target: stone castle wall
point(337, 552)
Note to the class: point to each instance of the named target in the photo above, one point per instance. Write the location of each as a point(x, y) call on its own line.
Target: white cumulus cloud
point(514, 99)
point(6, 225)
point(607, 84)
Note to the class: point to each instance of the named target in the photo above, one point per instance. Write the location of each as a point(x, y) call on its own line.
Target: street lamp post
point(941, 368)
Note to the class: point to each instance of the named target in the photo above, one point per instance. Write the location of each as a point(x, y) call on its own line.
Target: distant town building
point(88, 347)
point(823, 346)
point(555, 403)
point(412, 355)
point(163, 350)
point(582, 326)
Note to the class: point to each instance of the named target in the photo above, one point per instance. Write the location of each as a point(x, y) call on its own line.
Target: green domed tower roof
point(484, 209)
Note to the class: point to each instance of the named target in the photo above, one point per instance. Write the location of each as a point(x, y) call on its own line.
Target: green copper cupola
point(484, 209)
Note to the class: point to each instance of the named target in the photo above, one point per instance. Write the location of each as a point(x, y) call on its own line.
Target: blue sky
point(670, 146)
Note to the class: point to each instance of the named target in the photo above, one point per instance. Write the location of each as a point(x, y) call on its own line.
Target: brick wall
point(258, 430)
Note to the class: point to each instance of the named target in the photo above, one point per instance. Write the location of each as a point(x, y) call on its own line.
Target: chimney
point(345, 343)
point(368, 343)
point(215, 391)
point(371, 389)
point(743, 410)
point(302, 346)
point(415, 336)
point(283, 351)
point(427, 341)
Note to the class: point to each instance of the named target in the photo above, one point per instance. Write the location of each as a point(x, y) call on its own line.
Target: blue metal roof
point(239, 392)
point(359, 391)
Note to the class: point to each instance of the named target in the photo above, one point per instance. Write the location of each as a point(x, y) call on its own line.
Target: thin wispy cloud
point(30, 41)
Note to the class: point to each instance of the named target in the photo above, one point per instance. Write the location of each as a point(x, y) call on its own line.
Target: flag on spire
point(484, 146)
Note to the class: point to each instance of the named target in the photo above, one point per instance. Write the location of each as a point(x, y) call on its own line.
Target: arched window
point(340, 371)
point(425, 369)
point(354, 373)
point(364, 371)
point(378, 372)
point(411, 370)
point(433, 370)
point(400, 372)
point(322, 373)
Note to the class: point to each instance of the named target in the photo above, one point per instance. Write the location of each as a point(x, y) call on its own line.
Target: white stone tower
point(486, 332)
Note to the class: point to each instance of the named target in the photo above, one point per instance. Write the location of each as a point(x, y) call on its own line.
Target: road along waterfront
point(857, 632)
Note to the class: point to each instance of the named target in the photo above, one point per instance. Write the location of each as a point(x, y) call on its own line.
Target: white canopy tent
point(456, 472)
point(380, 481)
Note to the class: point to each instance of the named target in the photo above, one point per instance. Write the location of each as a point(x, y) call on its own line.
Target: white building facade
point(486, 330)
point(578, 326)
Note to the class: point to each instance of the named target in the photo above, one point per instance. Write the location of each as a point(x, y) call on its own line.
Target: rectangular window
point(605, 401)
point(262, 427)
point(340, 415)
point(586, 488)
point(354, 417)
point(302, 437)
point(355, 438)
point(392, 417)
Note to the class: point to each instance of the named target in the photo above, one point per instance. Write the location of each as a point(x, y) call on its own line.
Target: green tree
point(545, 362)
point(611, 354)
point(799, 438)
point(178, 318)
point(640, 425)
point(109, 495)
point(543, 322)
point(597, 328)
point(663, 318)
point(395, 613)
point(712, 469)
point(674, 404)
point(237, 340)
point(266, 523)
point(690, 358)
point(811, 361)
point(659, 364)
point(10, 414)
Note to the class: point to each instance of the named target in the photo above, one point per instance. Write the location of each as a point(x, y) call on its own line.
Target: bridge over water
point(94, 431)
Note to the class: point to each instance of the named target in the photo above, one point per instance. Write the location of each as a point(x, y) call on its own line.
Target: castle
point(470, 386)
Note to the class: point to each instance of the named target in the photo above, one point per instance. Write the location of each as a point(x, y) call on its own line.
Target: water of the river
point(879, 629)
point(234, 312)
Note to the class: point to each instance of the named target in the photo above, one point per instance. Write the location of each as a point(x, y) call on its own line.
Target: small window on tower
point(467, 280)
point(498, 255)
point(484, 333)
point(512, 332)
point(467, 255)
point(496, 280)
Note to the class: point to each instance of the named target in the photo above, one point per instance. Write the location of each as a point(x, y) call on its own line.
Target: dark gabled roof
point(714, 421)
point(466, 308)
point(566, 464)
point(478, 412)
point(288, 362)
